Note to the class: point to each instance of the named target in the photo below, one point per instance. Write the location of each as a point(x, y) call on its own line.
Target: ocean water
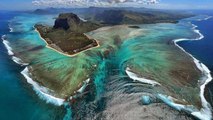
point(19, 98)
point(203, 49)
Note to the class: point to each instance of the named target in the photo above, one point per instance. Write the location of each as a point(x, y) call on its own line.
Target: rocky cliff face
point(71, 22)
point(67, 20)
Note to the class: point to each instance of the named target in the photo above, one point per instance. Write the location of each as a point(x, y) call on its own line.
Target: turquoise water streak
point(147, 51)
point(17, 99)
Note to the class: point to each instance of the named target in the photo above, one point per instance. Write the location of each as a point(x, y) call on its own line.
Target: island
point(67, 35)
point(101, 58)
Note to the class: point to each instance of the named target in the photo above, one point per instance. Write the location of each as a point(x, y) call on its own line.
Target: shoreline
point(201, 67)
point(134, 77)
point(36, 87)
point(205, 112)
point(10, 28)
point(19, 61)
point(7, 45)
point(47, 45)
point(40, 90)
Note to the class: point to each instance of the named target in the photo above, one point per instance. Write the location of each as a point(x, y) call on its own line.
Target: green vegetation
point(115, 17)
point(67, 35)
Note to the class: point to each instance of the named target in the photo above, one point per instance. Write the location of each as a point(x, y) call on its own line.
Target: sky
point(160, 4)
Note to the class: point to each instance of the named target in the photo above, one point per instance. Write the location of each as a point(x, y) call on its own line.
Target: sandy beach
point(73, 55)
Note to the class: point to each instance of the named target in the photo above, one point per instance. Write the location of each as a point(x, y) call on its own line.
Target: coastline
point(40, 90)
point(134, 77)
point(9, 51)
point(73, 55)
point(205, 112)
point(7, 46)
point(201, 67)
point(11, 29)
point(36, 87)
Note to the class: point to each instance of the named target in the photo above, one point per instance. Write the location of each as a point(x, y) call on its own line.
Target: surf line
point(36, 87)
point(41, 91)
point(205, 112)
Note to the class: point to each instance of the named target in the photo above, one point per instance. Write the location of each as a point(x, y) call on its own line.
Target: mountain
point(90, 12)
point(116, 17)
point(67, 34)
point(71, 22)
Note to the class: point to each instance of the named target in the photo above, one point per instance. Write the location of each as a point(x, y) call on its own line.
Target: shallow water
point(202, 49)
point(146, 52)
point(17, 98)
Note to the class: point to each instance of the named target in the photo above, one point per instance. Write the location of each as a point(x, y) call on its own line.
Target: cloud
point(82, 3)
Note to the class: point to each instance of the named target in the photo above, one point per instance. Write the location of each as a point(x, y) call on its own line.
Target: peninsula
point(68, 37)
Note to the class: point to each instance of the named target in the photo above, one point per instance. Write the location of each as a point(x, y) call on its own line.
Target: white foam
point(201, 114)
point(19, 61)
point(143, 80)
point(205, 112)
point(42, 91)
point(81, 90)
point(84, 20)
point(200, 36)
point(209, 17)
point(11, 29)
point(169, 101)
point(7, 45)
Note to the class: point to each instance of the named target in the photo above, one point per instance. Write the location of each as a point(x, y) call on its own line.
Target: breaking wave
point(205, 112)
point(40, 90)
point(7, 45)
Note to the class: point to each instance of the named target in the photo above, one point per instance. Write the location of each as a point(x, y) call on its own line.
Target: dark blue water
point(17, 99)
point(203, 49)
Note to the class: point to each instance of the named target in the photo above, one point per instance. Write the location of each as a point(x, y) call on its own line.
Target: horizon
point(43, 8)
point(15, 5)
point(106, 59)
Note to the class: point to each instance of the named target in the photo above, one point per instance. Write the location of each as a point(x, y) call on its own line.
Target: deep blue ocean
point(203, 49)
point(18, 101)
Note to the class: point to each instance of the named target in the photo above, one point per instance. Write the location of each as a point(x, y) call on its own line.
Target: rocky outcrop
point(66, 21)
point(71, 22)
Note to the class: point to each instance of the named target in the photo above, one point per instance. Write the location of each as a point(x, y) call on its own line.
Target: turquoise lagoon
point(148, 53)
point(18, 100)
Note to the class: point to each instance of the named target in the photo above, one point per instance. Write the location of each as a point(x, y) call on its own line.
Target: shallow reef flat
point(147, 52)
point(150, 53)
